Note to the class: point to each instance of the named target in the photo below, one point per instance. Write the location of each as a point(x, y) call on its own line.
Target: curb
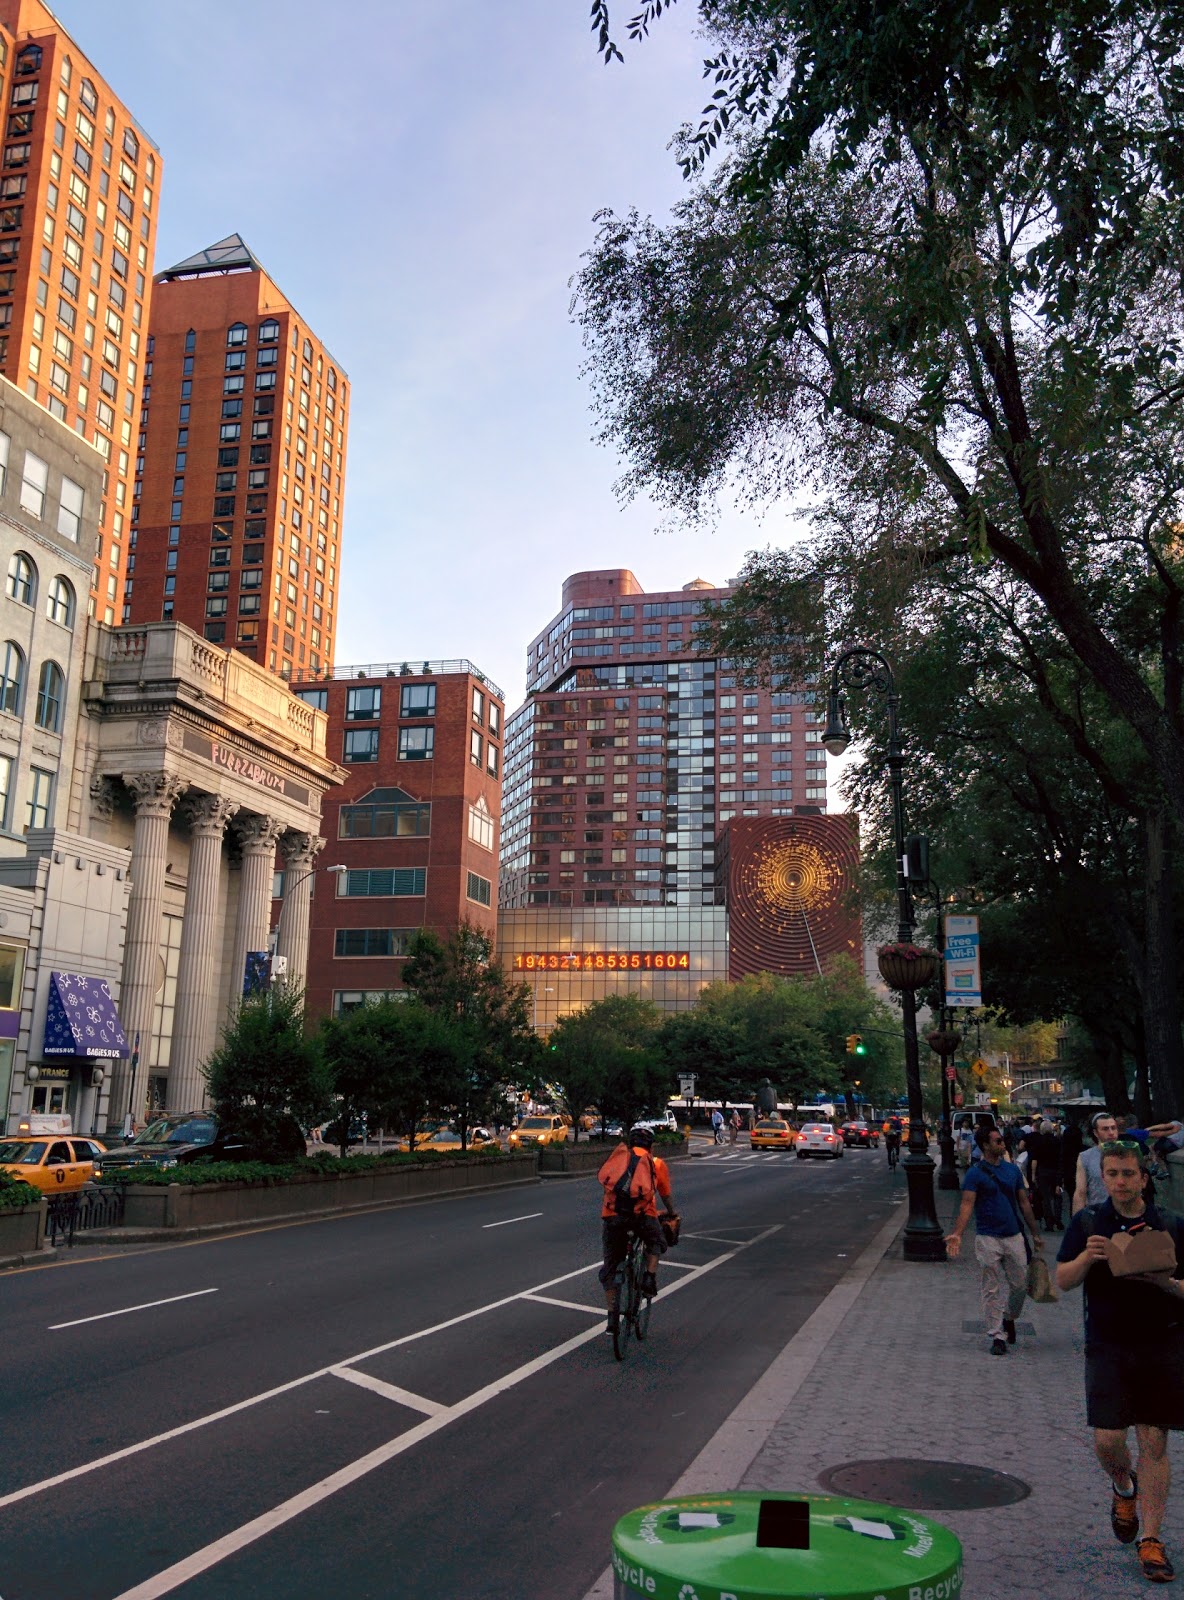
point(726, 1457)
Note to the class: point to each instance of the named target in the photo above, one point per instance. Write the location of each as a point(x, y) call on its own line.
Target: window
point(362, 705)
point(70, 510)
point(491, 759)
point(40, 798)
point(249, 605)
point(236, 335)
point(393, 819)
point(476, 748)
point(361, 744)
point(21, 579)
point(215, 607)
point(269, 331)
point(216, 632)
point(416, 744)
point(481, 825)
point(372, 941)
point(49, 697)
point(35, 476)
point(5, 792)
point(59, 607)
point(479, 889)
point(478, 706)
point(318, 699)
point(375, 882)
point(418, 700)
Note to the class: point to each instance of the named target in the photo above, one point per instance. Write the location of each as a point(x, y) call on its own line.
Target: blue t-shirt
point(995, 1215)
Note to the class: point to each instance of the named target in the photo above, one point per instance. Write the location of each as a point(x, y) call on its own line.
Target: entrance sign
point(963, 976)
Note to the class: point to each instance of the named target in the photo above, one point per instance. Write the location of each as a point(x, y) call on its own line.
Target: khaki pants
point(1004, 1266)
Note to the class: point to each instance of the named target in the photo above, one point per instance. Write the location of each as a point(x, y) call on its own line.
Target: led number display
point(603, 961)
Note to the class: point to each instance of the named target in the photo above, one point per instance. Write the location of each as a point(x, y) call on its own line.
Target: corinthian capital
point(154, 794)
point(300, 850)
point(257, 835)
point(208, 814)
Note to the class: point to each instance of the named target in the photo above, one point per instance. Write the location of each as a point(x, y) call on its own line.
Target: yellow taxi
point(771, 1133)
point(543, 1128)
point(52, 1164)
point(448, 1140)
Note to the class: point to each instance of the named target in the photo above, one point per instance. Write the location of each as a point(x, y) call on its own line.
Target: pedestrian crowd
point(1125, 1250)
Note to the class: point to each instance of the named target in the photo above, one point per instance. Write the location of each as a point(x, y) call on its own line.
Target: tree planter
point(901, 970)
point(575, 1160)
point(944, 1042)
point(22, 1232)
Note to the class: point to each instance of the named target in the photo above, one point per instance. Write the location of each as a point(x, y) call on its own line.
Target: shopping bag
point(1040, 1284)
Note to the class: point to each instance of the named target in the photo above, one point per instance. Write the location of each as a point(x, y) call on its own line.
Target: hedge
point(279, 1171)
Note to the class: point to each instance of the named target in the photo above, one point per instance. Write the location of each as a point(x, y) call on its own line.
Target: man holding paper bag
point(1129, 1255)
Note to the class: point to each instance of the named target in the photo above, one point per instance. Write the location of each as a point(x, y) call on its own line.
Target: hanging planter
point(906, 966)
point(944, 1041)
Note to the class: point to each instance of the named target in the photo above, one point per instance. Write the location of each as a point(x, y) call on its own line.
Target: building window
point(362, 705)
point(217, 607)
point(12, 678)
point(478, 706)
point(249, 605)
point(479, 889)
point(417, 700)
point(476, 748)
point(318, 699)
point(59, 607)
point(49, 697)
point(269, 331)
point(70, 510)
point(481, 825)
point(361, 744)
point(6, 765)
point(35, 476)
point(237, 335)
point(21, 579)
point(373, 941)
point(416, 744)
point(216, 632)
point(385, 820)
point(380, 882)
point(491, 759)
point(40, 798)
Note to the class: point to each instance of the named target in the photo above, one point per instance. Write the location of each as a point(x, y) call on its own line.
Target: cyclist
point(644, 1221)
point(893, 1129)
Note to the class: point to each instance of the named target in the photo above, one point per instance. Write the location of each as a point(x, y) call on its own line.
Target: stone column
point(299, 851)
point(198, 971)
point(256, 836)
point(154, 795)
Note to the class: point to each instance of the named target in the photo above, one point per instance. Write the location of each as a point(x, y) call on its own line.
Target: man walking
point(1088, 1188)
point(717, 1126)
point(1134, 1343)
point(993, 1193)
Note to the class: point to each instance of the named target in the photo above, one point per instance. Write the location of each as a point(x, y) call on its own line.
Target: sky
point(421, 182)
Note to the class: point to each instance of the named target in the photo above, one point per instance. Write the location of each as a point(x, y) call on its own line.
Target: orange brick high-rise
point(79, 198)
point(237, 523)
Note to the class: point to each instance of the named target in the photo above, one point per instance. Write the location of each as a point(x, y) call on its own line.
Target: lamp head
point(338, 868)
point(837, 735)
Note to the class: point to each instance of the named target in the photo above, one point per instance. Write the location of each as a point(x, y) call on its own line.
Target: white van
point(962, 1125)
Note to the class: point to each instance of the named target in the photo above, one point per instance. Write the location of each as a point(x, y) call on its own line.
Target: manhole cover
point(925, 1485)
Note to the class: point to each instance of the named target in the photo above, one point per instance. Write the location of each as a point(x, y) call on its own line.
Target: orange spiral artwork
point(790, 894)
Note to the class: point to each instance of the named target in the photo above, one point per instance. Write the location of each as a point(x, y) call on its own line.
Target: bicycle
point(893, 1152)
point(633, 1304)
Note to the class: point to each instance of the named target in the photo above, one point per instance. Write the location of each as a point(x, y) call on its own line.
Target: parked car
point(664, 1122)
point(198, 1136)
point(55, 1166)
point(448, 1140)
point(539, 1130)
point(862, 1133)
point(771, 1133)
point(819, 1139)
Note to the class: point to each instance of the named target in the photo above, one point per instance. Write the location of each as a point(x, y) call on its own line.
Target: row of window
point(34, 484)
point(50, 687)
point(39, 805)
point(21, 585)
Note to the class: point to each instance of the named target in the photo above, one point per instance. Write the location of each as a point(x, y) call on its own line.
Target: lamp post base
point(947, 1173)
point(923, 1237)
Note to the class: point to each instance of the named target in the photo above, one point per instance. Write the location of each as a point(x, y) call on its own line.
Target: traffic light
point(855, 1045)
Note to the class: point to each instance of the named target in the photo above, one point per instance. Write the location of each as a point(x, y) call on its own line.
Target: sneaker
point(1009, 1329)
point(1153, 1558)
point(998, 1347)
point(1124, 1513)
point(649, 1284)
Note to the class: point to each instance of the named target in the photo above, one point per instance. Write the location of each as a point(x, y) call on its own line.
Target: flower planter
point(22, 1232)
point(945, 1042)
point(907, 971)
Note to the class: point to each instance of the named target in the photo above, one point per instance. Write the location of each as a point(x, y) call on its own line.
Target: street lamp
point(856, 669)
point(288, 887)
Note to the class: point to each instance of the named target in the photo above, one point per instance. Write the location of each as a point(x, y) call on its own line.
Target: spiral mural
point(790, 893)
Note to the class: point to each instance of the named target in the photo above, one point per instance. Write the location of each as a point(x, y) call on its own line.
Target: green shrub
point(15, 1192)
point(282, 1171)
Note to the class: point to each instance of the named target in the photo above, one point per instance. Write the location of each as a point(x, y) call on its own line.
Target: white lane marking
point(529, 1217)
point(711, 1238)
point(685, 1266)
point(570, 1305)
point(390, 1391)
point(270, 1394)
point(127, 1310)
point(231, 1543)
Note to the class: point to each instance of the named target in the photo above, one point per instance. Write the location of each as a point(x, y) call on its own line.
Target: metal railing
point(68, 1214)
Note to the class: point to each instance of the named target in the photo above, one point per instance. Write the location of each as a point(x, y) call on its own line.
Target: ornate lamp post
point(861, 668)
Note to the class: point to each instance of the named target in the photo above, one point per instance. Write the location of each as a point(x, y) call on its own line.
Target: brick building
point(237, 521)
point(415, 823)
point(79, 198)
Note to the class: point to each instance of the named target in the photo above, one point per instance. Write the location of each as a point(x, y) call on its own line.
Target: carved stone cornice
point(256, 834)
point(300, 849)
point(154, 794)
point(208, 814)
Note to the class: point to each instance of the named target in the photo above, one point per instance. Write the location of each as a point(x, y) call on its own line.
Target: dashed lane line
point(126, 1311)
point(529, 1217)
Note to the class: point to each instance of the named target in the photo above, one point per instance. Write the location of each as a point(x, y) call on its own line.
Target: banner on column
point(257, 972)
point(963, 977)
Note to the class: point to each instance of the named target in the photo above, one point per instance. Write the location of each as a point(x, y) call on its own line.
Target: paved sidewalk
point(900, 1378)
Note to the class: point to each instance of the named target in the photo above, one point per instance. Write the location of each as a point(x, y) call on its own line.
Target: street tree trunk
point(1160, 994)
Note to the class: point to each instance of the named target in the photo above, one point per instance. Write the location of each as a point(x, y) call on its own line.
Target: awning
point(81, 1020)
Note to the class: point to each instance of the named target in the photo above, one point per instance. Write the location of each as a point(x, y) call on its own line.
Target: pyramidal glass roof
point(228, 255)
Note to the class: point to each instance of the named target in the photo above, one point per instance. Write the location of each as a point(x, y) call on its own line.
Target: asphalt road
point(413, 1403)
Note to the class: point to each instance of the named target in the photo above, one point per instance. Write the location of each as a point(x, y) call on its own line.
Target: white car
point(663, 1123)
point(819, 1139)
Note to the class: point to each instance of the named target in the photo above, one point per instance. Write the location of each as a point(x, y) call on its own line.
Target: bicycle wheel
point(626, 1307)
point(620, 1329)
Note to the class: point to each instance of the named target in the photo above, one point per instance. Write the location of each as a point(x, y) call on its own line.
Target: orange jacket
point(648, 1208)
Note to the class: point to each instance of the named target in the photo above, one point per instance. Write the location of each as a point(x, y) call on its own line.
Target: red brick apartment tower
point(416, 822)
point(633, 749)
point(237, 522)
point(79, 197)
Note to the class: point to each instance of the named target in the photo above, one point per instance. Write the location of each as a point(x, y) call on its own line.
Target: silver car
point(819, 1139)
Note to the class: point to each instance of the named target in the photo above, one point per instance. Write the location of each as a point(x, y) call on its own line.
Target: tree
point(382, 1057)
point(267, 1071)
point(607, 1055)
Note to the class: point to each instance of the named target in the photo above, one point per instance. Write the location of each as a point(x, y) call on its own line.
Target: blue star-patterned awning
point(81, 1019)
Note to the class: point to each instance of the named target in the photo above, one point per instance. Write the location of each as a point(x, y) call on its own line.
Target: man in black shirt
point(1134, 1351)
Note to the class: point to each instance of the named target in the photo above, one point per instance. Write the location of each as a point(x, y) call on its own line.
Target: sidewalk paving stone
point(901, 1378)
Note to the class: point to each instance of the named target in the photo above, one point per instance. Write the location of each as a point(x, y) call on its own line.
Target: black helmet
point(643, 1136)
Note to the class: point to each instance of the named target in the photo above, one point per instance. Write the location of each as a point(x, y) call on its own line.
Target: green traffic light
point(861, 1049)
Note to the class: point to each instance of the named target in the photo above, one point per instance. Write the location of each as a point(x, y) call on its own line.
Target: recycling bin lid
point(752, 1546)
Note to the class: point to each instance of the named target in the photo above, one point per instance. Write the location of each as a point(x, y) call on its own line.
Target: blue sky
point(420, 180)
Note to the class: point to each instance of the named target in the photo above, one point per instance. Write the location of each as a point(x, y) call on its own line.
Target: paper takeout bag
point(1149, 1250)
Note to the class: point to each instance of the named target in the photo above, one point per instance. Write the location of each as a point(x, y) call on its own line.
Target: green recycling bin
point(782, 1547)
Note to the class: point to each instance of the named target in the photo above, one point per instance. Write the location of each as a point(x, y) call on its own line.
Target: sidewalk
point(901, 1378)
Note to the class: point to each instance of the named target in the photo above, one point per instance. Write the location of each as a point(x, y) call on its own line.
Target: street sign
point(951, 1073)
point(982, 1098)
point(686, 1087)
point(963, 977)
point(979, 1068)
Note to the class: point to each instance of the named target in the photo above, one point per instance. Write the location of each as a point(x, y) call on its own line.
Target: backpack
point(628, 1175)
